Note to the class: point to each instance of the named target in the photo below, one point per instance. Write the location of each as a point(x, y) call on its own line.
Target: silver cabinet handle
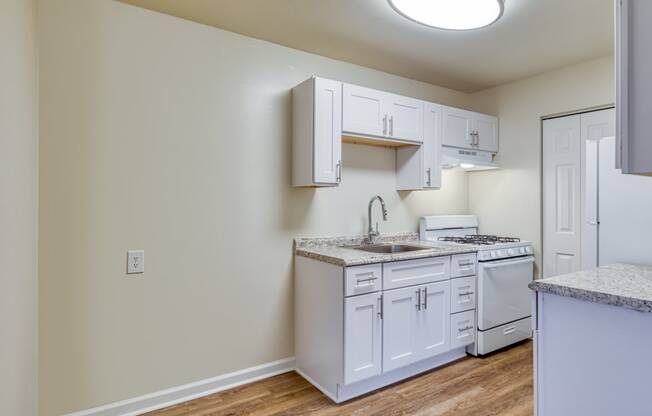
point(429, 177)
point(380, 307)
point(391, 126)
point(425, 298)
point(419, 299)
point(472, 134)
point(477, 139)
point(385, 125)
point(465, 293)
point(371, 279)
point(466, 264)
point(466, 328)
point(338, 170)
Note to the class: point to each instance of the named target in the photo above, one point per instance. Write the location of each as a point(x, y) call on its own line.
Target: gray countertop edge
point(640, 305)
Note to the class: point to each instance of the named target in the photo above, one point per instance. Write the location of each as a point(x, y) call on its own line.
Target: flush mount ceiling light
point(450, 14)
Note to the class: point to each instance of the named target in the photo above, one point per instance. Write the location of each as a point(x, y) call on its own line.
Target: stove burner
point(480, 239)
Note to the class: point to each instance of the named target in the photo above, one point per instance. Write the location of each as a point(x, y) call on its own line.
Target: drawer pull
point(466, 264)
point(466, 328)
point(371, 279)
point(509, 330)
point(465, 293)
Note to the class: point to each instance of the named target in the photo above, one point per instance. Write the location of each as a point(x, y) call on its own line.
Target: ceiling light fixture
point(451, 14)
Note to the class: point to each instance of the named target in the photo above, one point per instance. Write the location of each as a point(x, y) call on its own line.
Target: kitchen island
point(593, 338)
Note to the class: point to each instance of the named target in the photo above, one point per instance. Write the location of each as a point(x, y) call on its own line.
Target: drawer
point(362, 279)
point(501, 336)
point(462, 294)
point(463, 265)
point(415, 272)
point(462, 329)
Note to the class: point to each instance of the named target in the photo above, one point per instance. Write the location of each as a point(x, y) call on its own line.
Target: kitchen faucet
point(372, 233)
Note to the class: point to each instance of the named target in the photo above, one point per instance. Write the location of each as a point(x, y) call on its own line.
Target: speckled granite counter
point(624, 285)
point(338, 250)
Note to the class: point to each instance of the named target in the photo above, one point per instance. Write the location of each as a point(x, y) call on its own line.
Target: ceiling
point(532, 37)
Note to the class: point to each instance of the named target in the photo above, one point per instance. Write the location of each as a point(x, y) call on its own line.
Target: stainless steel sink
point(388, 248)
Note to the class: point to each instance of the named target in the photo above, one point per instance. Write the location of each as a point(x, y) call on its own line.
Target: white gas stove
point(505, 268)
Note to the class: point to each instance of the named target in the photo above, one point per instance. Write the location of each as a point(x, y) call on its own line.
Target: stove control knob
point(492, 254)
point(500, 253)
point(523, 250)
point(511, 252)
point(528, 250)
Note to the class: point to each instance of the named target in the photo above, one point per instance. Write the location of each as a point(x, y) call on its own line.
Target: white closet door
point(561, 195)
point(595, 126)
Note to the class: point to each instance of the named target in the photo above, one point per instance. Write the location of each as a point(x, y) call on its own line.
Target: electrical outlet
point(135, 261)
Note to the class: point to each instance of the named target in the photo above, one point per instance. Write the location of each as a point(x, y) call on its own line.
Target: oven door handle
point(508, 262)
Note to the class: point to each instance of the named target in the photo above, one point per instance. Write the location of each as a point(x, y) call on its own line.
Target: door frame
point(539, 272)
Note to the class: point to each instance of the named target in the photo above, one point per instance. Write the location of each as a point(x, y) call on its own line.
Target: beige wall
point(169, 136)
point(508, 200)
point(18, 205)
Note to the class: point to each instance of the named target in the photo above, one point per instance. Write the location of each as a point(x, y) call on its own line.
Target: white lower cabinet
point(433, 320)
point(362, 337)
point(364, 327)
point(462, 329)
point(400, 327)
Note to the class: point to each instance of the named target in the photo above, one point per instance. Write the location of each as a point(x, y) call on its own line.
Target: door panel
point(399, 327)
point(328, 130)
point(456, 127)
point(432, 145)
point(434, 320)
point(595, 126)
point(362, 337)
point(487, 128)
point(405, 118)
point(561, 195)
point(364, 111)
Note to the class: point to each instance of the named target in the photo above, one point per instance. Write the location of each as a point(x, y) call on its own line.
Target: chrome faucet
point(372, 233)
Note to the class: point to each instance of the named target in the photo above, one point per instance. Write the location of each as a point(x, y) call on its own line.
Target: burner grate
point(480, 239)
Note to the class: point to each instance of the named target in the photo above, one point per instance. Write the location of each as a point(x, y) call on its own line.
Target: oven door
point(503, 293)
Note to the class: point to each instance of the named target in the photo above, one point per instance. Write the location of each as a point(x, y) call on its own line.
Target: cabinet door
point(362, 337)
point(431, 148)
point(327, 132)
point(486, 128)
point(400, 327)
point(364, 111)
point(433, 327)
point(457, 127)
point(405, 118)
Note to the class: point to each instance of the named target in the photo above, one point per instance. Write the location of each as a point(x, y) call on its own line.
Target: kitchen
point(172, 131)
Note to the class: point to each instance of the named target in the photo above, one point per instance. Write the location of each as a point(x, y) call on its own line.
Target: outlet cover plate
point(135, 261)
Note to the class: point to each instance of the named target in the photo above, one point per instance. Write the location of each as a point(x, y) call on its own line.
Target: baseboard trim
point(183, 393)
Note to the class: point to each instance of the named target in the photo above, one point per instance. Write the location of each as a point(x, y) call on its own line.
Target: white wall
point(508, 200)
point(169, 136)
point(18, 205)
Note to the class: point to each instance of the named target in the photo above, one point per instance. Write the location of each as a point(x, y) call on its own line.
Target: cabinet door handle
point(425, 298)
point(391, 126)
point(385, 125)
point(380, 307)
point(465, 293)
point(338, 170)
point(419, 299)
point(466, 264)
point(466, 328)
point(477, 138)
point(429, 177)
point(371, 279)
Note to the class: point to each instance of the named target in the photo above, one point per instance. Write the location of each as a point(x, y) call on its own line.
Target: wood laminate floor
point(500, 384)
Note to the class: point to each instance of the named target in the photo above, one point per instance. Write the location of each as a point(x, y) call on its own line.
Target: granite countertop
point(625, 285)
point(338, 250)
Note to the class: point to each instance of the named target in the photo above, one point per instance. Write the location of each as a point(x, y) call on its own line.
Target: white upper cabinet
point(633, 86)
point(486, 132)
point(364, 111)
point(405, 118)
point(369, 112)
point(457, 127)
point(468, 130)
point(432, 124)
point(317, 133)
